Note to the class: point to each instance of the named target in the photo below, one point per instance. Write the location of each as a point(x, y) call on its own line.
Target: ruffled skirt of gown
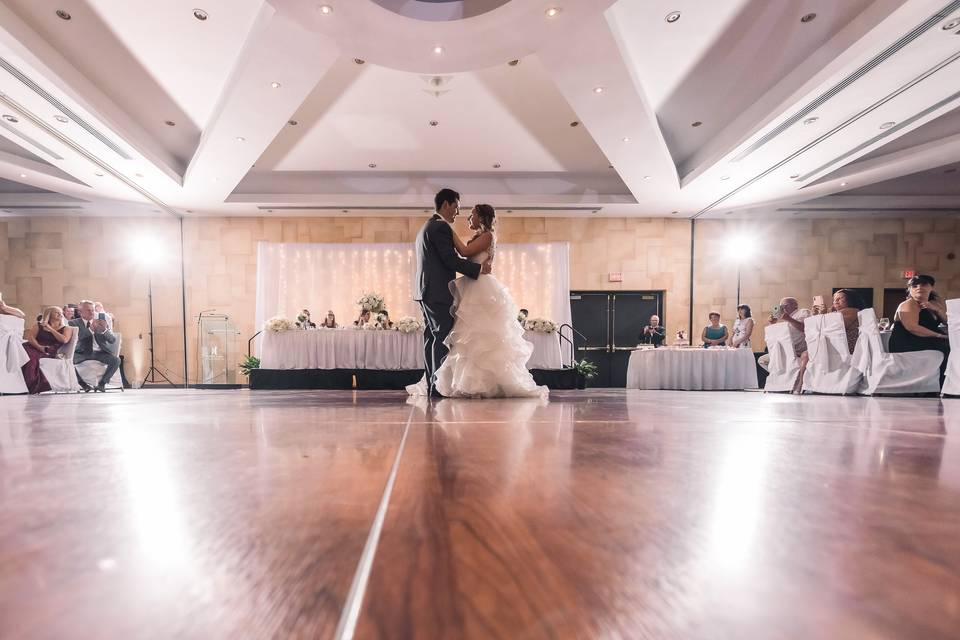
point(488, 353)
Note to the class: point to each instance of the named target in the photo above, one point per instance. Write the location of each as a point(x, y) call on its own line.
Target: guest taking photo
point(654, 333)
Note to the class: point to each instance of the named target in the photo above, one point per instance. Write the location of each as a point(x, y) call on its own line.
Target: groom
point(437, 265)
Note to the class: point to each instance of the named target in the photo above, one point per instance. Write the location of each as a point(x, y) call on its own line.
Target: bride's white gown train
point(488, 353)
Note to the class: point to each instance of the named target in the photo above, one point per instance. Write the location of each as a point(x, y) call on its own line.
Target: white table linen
point(342, 349)
point(692, 369)
point(12, 355)
point(546, 350)
point(951, 386)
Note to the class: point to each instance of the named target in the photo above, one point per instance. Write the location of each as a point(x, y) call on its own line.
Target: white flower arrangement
point(540, 325)
point(371, 301)
point(278, 324)
point(407, 324)
point(371, 326)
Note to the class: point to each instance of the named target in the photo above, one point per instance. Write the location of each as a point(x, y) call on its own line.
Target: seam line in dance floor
point(351, 608)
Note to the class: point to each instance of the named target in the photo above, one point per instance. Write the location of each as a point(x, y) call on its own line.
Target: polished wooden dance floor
point(601, 514)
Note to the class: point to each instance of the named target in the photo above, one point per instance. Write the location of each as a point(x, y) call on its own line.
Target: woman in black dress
point(916, 324)
point(44, 339)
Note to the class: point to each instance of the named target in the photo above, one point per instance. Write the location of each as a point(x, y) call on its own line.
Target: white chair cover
point(914, 372)
point(951, 385)
point(12, 355)
point(90, 371)
point(59, 371)
point(784, 364)
point(829, 369)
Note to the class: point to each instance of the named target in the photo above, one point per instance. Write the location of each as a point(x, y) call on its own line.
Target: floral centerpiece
point(278, 324)
point(540, 325)
point(408, 324)
point(372, 302)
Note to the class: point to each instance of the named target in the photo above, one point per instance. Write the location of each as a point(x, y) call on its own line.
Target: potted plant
point(585, 371)
point(248, 364)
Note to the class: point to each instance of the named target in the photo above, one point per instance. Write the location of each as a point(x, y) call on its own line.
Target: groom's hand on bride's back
point(487, 267)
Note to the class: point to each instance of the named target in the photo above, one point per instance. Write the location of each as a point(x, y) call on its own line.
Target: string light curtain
point(320, 277)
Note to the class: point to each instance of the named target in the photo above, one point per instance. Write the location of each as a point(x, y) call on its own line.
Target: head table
point(692, 369)
point(350, 348)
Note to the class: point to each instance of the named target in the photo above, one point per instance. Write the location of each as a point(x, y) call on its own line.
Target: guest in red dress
point(43, 341)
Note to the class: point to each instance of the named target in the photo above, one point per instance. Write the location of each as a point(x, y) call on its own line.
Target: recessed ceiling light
point(372, 165)
point(170, 123)
point(513, 63)
point(10, 118)
point(434, 123)
point(241, 139)
point(598, 89)
point(292, 123)
point(553, 12)
point(61, 118)
point(139, 175)
point(811, 120)
point(509, 210)
point(696, 124)
point(626, 139)
point(23, 175)
point(438, 50)
point(794, 176)
point(672, 17)
point(843, 184)
point(496, 166)
point(63, 15)
point(326, 9)
point(359, 61)
point(648, 177)
point(575, 124)
point(674, 212)
point(808, 18)
point(724, 177)
point(728, 213)
point(345, 211)
point(189, 210)
point(275, 85)
point(953, 24)
point(98, 174)
point(887, 125)
point(200, 14)
point(610, 166)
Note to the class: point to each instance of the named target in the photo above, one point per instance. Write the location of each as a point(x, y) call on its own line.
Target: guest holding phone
point(848, 304)
point(94, 343)
point(654, 333)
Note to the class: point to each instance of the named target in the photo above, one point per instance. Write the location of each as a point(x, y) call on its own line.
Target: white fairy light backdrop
point(318, 277)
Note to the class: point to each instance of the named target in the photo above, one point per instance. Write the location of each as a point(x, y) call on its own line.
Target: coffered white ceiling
point(253, 107)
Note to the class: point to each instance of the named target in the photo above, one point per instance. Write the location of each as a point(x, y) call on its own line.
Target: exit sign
point(615, 277)
point(909, 273)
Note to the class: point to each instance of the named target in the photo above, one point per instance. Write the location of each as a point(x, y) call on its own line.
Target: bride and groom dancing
point(474, 346)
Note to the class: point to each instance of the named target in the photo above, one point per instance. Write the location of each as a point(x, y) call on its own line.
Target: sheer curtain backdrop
point(293, 276)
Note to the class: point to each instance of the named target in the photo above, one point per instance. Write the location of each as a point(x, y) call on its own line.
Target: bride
point(488, 353)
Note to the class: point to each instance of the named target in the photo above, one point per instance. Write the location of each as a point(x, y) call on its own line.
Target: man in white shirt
point(792, 314)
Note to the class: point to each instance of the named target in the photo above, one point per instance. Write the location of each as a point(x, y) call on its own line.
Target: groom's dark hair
point(445, 195)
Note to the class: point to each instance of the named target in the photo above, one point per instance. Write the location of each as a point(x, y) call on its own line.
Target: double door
point(611, 322)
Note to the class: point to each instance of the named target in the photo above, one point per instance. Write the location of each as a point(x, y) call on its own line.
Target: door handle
point(624, 348)
point(593, 348)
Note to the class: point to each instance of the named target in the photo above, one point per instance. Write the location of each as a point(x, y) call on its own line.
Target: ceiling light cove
point(672, 17)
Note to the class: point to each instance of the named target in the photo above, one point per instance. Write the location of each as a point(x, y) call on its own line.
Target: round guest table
point(692, 369)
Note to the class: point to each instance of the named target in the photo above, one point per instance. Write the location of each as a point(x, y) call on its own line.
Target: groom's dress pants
point(438, 323)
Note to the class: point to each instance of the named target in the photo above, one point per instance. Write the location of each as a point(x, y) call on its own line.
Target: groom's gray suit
point(437, 265)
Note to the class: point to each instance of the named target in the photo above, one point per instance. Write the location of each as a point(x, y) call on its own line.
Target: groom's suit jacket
point(438, 263)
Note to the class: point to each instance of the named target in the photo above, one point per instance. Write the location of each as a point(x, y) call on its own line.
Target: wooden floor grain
point(598, 514)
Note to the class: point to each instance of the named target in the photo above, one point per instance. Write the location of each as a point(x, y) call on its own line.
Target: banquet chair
point(90, 371)
point(12, 355)
point(951, 386)
point(784, 364)
point(829, 368)
point(913, 372)
point(59, 371)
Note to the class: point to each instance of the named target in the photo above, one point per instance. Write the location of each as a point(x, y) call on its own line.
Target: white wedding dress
point(488, 353)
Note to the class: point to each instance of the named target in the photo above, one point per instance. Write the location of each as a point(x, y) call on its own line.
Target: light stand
point(152, 372)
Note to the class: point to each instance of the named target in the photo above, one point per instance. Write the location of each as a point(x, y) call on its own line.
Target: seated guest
point(916, 325)
point(742, 328)
point(330, 322)
point(68, 312)
point(306, 323)
point(714, 334)
point(44, 340)
point(93, 344)
point(383, 320)
point(654, 333)
point(848, 304)
point(363, 319)
point(7, 310)
point(789, 311)
point(98, 309)
point(522, 318)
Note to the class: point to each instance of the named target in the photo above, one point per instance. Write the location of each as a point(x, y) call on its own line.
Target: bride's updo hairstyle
point(487, 216)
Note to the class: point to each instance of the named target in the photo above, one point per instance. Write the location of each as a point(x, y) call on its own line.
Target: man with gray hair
point(93, 343)
point(654, 333)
